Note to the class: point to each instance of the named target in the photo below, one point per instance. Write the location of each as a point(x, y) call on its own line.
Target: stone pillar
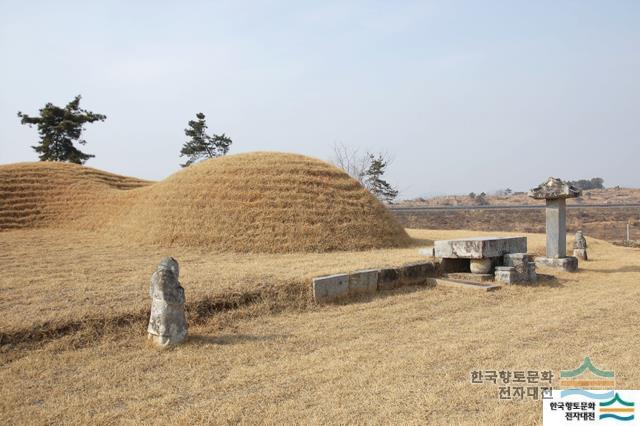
point(556, 228)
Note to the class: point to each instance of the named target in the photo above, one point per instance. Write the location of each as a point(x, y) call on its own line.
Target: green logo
point(576, 379)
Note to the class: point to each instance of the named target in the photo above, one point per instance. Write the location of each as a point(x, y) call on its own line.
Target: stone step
point(465, 285)
point(468, 276)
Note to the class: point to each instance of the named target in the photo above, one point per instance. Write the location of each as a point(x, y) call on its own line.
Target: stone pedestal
point(569, 264)
point(556, 228)
point(517, 268)
point(506, 274)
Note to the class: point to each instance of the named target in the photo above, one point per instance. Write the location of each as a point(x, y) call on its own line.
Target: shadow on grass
point(230, 339)
point(545, 280)
point(628, 268)
point(383, 294)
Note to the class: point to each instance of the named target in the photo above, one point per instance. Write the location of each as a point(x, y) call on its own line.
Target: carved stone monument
point(580, 246)
point(555, 192)
point(167, 324)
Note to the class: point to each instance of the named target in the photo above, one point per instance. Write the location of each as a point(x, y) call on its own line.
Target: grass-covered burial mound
point(257, 202)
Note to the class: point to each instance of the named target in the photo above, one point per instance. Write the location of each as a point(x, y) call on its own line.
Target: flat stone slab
point(417, 273)
point(465, 285)
point(569, 263)
point(339, 287)
point(468, 276)
point(363, 282)
point(479, 247)
point(388, 279)
point(426, 251)
point(330, 288)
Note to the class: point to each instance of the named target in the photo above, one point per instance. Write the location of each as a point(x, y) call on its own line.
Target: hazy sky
point(468, 96)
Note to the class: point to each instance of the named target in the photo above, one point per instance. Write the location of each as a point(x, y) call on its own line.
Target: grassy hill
point(256, 202)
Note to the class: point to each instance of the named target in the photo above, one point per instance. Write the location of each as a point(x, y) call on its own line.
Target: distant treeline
point(593, 183)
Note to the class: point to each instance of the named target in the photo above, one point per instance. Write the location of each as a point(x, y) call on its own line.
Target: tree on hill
point(200, 145)
point(584, 184)
point(367, 168)
point(374, 182)
point(351, 161)
point(59, 128)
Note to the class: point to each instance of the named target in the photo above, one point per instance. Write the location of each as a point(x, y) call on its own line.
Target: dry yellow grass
point(53, 279)
point(258, 202)
point(402, 358)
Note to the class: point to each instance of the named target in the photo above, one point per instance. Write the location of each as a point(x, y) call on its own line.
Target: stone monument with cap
point(555, 192)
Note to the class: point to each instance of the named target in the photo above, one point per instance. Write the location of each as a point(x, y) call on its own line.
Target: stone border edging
point(338, 287)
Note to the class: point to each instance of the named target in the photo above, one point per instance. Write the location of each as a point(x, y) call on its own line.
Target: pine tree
point(200, 145)
point(59, 128)
point(374, 182)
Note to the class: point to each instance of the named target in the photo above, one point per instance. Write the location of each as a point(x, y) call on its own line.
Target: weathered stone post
point(167, 323)
point(555, 192)
point(580, 246)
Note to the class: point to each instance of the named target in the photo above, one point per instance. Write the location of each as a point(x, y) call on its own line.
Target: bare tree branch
point(351, 160)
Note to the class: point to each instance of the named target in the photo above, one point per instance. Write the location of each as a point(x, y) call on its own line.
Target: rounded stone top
point(554, 189)
point(171, 264)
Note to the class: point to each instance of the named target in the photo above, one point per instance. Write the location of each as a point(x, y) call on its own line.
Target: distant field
point(403, 357)
point(603, 223)
point(589, 196)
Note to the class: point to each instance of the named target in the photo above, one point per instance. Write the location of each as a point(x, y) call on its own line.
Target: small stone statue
point(167, 325)
point(580, 246)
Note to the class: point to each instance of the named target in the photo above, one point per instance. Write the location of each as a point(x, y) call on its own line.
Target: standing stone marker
point(167, 324)
point(555, 192)
point(580, 246)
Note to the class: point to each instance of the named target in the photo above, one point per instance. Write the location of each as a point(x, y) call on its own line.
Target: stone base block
point(417, 273)
point(363, 282)
point(388, 279)
point(330, 288)
point(510, 275)
point(506, 274)
point(520, 261)
point(525, 268)
point(569, 264)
